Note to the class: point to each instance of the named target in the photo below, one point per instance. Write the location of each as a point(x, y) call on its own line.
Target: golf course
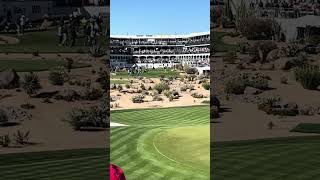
point(270, 159)
point(80, 164)
point(163, 143)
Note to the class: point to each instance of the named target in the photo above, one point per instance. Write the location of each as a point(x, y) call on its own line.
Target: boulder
point(273, 55)
point(9, 79)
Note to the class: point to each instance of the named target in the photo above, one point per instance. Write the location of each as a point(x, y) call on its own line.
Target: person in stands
point(116, 173)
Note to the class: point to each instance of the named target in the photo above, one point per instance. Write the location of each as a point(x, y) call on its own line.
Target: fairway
point(294, 158)
point(46, 42)
point(35, 65)
point(80, 164)
point(144, 152)
point(152, 73)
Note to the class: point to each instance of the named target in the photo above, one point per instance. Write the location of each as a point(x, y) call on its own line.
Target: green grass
point(35, 65)
point(46, 42)
point(80, 164)
point(219, 45)
point(270, 159)
point(118, 81)
point(307, 128)
point(162, 143)
point(152, 73)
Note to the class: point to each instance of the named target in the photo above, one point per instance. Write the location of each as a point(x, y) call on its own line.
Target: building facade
point(157, 51)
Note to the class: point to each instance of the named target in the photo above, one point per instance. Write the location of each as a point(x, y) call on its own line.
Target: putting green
point(162, 143)
point(189, 146)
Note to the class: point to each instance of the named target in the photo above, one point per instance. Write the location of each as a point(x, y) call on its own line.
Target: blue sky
point(146, 17)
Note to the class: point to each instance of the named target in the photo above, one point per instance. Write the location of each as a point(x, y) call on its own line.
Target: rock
point(267, 67)
point(46, 93)
point(273, 55)
point(9, 79)
point(284, 64)
point(252, 91)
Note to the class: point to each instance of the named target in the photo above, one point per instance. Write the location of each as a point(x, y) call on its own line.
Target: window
point(36, 9)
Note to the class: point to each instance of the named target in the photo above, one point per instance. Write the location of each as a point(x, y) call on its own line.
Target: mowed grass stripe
point(267, 159)
point(165, 116)
point(132, 147)
point(57, 164)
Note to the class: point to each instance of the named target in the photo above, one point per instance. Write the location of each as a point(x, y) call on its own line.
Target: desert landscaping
point(53, 104)
point(155, 111)
point(265, 98)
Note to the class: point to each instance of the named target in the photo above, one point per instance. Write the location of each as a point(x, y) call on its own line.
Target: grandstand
point(157, 51)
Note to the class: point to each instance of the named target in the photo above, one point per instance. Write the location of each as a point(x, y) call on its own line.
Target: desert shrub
point(230, 57)
point(257, 29)
point(35, 53)
point(157, 98)
point(293, 50)
point(142, 86)
point(96, 51)
point(162, 76)
point(206, 86)
point(93, 71)
point(68, 95)
point(5, 140)
point(191, 77)
point(93, 117)
point(127, 86)
point(21, 137)
point(182, 78)
point(119, 88)
point(27, 106)
point(268, 104)
point(78, 82)
point(235, 86)
point(259, 83)
point(191, 71)
point(197, 95)
point(171, 97)
point(300, 61)
point(31, 83)
point(104, 80)
point(92, 94)
point(283, 80)
point(56, 77)
point(261, 50)
point(160, 87)
point(72, 83)
point(138, 99)
point(3, 117)
point(183, 88)
point(308, 76)
point(69, 64)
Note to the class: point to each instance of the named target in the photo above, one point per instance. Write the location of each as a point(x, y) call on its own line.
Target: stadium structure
point(160, 51)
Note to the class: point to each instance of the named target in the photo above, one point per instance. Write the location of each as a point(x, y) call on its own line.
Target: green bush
point(160, 87)
point(56, 77)
point(230, 57)
point(308, 76)
point(138, 99)
point(92, 94)
point(235, 86)
point(191, 70)
point(31, 83)
point(93, 117)
point(197, 95)
point(259, 83)
point(206, 86)
point(3, 117)
point(104, 80)
point(157, 98)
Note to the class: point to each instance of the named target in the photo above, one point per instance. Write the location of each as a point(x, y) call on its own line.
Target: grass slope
point(307, 128)
point(152, 73)
point(133, 147)
point(35, 65)
point(46, 42)
point(80, 164)
point(219, 45)
point(271, 159)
